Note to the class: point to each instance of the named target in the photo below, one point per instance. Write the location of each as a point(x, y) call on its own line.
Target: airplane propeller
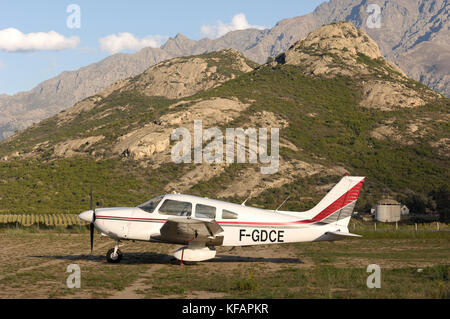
point(91, 225)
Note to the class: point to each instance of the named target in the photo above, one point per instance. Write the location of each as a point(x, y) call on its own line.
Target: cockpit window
point(150, 206)
point(176, 208)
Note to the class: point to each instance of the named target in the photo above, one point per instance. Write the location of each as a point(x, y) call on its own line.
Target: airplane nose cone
point(86, 216)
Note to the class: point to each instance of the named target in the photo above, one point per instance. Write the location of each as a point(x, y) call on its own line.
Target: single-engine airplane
point(200, 224)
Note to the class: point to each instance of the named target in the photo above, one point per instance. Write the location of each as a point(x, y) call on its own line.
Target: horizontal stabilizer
point(342, 234)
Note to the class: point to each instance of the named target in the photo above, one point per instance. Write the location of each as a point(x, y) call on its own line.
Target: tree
point(416, 204)
point(442, 199)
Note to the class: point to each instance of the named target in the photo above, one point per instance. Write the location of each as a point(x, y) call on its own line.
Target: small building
point(387, 211)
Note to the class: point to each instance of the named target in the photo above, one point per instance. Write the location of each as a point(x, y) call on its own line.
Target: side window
point(203, 211)
point(176, 208)
point(226, 214)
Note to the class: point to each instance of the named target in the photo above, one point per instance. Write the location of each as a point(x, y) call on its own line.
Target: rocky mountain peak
point(181, 77)
point(181, 36)
point(341, 49)
point(342, 38)
point(178, 45)
point(335, 49)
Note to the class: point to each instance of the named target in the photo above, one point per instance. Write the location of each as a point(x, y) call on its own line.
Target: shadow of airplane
point(157, 258)
point(128, 258)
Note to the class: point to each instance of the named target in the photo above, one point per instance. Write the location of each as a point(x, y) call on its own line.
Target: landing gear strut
point(114, 255)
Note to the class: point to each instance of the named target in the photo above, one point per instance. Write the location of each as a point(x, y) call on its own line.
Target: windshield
point(150, 206)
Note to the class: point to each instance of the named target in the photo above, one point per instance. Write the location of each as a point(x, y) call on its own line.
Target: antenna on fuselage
point(245, 201)
point(282, 203)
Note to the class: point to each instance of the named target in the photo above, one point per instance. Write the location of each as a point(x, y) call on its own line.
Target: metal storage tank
point(387, 211)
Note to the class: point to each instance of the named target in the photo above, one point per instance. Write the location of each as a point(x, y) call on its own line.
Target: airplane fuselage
point(253, 226)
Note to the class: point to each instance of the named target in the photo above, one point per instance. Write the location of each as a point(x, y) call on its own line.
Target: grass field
point(413, 265)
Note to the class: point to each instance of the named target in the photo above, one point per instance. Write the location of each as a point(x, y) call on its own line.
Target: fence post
point(375, 225)
point(396, 225)
point(415, 224)
point(437, 225)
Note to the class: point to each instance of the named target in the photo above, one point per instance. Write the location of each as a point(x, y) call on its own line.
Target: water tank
point(388, 211)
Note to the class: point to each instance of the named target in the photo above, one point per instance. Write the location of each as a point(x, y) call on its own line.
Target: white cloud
point(126, 41)
point(13, 40)
point(239, 22)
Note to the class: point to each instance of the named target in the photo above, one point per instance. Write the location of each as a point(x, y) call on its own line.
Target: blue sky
point(22, 68)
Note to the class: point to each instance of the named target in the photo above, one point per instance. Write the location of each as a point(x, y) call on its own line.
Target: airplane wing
point(185, 230)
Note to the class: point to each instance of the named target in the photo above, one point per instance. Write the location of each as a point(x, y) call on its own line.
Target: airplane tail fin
point(338, 205)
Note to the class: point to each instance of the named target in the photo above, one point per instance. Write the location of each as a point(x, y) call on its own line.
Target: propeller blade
point(91, 225)
point(90, 199)
point(91, 228)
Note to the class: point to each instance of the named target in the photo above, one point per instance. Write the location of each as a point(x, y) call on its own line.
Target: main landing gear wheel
point(114, 258)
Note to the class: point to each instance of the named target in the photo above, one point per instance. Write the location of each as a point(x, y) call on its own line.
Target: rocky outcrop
point(181, 77)
point(332, 50)
point(323, 50)
point(154, 138)
point(73, 147)
point(386, 95)
point(340, 49)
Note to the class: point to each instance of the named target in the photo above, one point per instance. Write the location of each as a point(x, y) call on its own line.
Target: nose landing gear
point(114, 255)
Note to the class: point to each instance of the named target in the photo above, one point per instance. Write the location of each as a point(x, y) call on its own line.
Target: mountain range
point(339, 105)
point(414, 34)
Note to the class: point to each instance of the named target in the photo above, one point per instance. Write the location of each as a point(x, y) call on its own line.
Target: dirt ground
point(34, 265)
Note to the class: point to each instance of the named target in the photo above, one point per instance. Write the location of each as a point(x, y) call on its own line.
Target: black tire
point(112, 260)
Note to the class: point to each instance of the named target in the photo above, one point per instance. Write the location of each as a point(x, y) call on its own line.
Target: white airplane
point(200, 224)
